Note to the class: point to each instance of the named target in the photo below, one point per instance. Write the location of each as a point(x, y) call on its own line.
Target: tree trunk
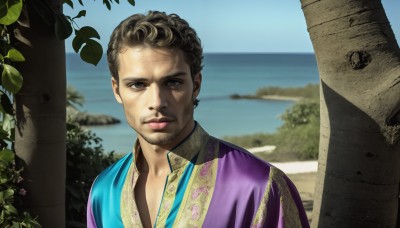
point(40, 114)
point(358, 62)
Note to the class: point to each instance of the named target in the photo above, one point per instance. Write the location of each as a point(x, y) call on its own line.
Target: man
point(178, 175)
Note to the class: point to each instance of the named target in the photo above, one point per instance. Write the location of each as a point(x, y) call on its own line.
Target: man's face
point(157, 93)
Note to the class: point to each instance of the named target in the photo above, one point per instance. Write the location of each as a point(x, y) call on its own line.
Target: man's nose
point(157, 98)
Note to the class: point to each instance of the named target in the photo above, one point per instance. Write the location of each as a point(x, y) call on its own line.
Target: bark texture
point(359, 65)
point(40, 114)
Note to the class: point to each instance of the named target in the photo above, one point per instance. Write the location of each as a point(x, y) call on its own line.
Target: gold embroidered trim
point(129, 212)
point(290, 215)
point(169, 196)
point(181, 156)
point(290, 212)
point(261, 214)
point(196, 200)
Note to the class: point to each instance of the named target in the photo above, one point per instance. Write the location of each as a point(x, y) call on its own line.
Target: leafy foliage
point(74, 98)
point(11, 194)
point(84, 37)
point(85, 160)
point(310, 91)
point(90, 159)
point(299, 134)
point(252, 140)
point(298, 137)
point(300, 114)
point(10, 11)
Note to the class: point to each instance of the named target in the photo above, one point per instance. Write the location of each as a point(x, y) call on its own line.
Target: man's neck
point(153, 160)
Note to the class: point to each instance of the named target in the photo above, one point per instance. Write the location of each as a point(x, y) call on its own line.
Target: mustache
point(159, 116)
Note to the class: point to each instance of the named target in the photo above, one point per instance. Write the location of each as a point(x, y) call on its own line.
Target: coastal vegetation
point(86, 158)
point(298, 137)
point(310, 91)
point(74, 115)
point(32, 109)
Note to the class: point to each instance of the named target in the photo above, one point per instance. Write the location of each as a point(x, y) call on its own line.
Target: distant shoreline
point(283, 94)
point(267, 97)
point(281, 98)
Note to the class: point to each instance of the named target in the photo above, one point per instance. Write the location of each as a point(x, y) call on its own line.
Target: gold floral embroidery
point(129, 212)
point(290, 212)
point(199, 189)
point(261, 214)
point(197, 198)
point(168, 197)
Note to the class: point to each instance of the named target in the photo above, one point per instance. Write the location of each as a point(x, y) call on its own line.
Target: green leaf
point(91, 52)
point(7, 156)
point(80, 2)
point(14, 55)
point(69, 2)
point(77, 43)
point(5, 104)
point(3, 135)
point(14, 8)
point(16, 225)
point(107, 3)
point(11, 79)
point(81, 13)
point(82, 35)
point(117, 1)
point(8, 122)
point(9, 193)
point(11, 209)
point(132, 2)
point(63, 28)
point(88, 32)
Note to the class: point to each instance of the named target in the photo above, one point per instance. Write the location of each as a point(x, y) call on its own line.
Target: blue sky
point(223, 25)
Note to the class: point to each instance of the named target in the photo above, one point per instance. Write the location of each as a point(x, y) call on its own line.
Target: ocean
point(223, 75)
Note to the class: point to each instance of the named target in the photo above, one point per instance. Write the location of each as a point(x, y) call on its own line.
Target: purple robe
point(212, 184)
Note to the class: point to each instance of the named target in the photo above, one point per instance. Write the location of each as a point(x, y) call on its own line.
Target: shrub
point(11, 194)
point(300, 114)
point(299, 135)
point(252, 140)
point(85, 160)
point(296, 139)
point(310, 91)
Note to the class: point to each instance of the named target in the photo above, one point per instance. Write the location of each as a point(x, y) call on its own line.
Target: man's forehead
point(160, 50)
point(145, 60)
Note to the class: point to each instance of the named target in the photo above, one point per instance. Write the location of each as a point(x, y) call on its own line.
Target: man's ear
point(197, 84)
point(115, 88)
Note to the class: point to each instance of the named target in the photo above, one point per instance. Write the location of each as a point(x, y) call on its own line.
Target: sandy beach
point(305, 183)
point(303, 174)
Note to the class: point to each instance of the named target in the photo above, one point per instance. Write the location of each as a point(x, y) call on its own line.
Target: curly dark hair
point(157, 30)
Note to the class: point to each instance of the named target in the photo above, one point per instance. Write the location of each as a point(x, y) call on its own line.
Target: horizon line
point(235, 52)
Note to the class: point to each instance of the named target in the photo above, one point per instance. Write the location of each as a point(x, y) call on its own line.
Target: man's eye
point(173, 83)
point(137, 85)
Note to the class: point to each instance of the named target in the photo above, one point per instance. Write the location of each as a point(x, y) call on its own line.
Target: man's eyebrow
point(177, 74)
point(133, 78)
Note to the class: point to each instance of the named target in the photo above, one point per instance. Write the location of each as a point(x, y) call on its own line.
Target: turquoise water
point(223, 75)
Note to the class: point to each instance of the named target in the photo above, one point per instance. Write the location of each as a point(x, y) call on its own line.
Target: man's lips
point(158, 124)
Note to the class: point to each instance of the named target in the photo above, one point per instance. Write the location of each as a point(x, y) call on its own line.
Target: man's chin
point(159, 138)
